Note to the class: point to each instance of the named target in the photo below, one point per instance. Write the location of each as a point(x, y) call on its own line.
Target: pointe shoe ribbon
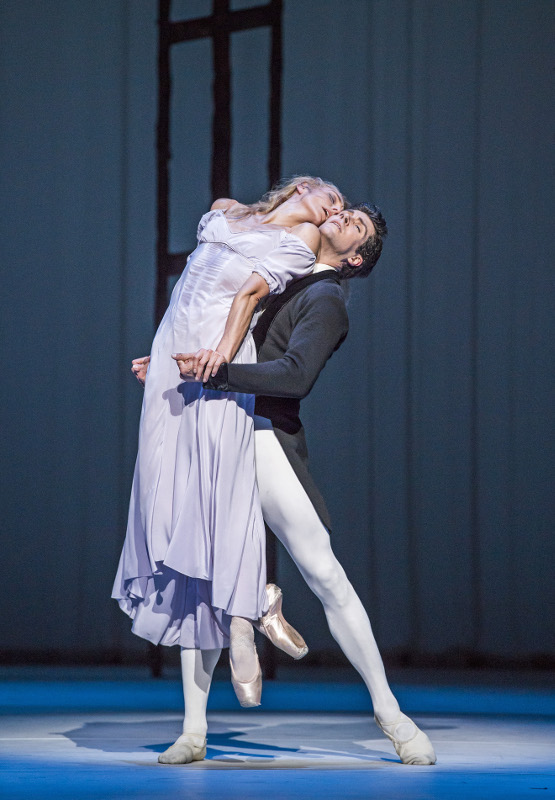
point(277, 629)
point(411, 744)
point(189, 747)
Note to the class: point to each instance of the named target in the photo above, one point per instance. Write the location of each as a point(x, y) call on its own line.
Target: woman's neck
point(286, 215)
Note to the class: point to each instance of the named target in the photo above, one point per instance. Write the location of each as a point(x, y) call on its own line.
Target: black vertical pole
point(162, 158)
point(274, 173)
point(221, 121)
point(274, 154)
point(162, 211)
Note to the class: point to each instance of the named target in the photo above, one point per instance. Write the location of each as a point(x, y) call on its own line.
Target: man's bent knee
point(329, 582)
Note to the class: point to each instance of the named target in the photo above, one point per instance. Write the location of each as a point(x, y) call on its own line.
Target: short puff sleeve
point(204, 220)
point(292, 259)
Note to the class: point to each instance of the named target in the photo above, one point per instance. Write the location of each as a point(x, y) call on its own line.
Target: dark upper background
point(430, 432)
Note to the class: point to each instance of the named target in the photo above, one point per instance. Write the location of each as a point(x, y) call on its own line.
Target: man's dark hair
point(371, 249)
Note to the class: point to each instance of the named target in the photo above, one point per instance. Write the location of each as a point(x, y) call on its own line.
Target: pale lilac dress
point(194, 552)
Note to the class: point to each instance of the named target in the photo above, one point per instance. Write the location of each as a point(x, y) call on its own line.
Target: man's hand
point(199, 366)
point(139, 368)
point(185, 364)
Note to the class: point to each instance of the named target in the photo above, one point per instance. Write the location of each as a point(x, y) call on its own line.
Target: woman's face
point(319, 202)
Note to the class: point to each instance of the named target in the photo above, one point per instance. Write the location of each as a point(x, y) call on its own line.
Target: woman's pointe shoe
point(189, 747)
point(243, 649)
point(248, 692)
point(274, 626)
point(411, 744)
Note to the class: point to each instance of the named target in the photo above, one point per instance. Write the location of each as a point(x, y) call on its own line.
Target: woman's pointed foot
point(411, 744)
point(246, 675)
point(274, 625)
point(189, 747)
point(248, 693)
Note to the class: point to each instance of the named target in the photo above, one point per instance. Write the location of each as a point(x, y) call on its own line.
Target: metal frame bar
point(219, 27)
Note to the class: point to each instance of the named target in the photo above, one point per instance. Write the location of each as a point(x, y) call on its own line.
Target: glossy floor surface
point(78, 739)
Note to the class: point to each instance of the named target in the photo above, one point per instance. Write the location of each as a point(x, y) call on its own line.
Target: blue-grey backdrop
point(431, 431)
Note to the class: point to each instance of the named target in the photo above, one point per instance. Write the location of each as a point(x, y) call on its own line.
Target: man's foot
point(411, 744)
point(189, 747)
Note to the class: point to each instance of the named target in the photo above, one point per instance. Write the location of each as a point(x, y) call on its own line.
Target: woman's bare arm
point(206, 362)
point(222, 203)
point(225, 203)
point(241, 313)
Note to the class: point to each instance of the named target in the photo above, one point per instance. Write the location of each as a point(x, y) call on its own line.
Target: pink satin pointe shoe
point(277, 629)
point(242, 650)
point(248, 693)
point(410, 743)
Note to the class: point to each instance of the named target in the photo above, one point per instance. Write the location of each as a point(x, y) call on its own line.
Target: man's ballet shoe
point(411, 744)
point(189, 747)
point(277, 629)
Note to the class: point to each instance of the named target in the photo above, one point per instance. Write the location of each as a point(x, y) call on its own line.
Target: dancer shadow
point(130, 737)
point(295, 739)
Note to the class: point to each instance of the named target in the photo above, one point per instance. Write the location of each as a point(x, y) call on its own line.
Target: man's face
point(346, 231)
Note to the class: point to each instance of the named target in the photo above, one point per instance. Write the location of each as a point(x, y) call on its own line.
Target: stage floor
point(52, 748)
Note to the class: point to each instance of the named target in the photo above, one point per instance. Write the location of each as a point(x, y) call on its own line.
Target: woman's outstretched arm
point(241, 313)
point(206, 362)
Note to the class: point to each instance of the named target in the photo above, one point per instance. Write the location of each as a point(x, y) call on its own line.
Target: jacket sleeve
point(320, 329)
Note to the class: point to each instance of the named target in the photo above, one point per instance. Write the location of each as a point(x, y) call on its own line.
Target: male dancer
point(295, 336)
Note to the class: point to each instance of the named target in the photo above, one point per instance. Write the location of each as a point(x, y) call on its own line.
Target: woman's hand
point(199, 366)
point(205, 363)
point(139, 368)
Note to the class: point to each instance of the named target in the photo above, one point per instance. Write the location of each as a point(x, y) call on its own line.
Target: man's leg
point(290, 514)
point(197, 667)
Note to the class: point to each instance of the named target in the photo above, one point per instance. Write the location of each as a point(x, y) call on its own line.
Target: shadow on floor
point(301, 738)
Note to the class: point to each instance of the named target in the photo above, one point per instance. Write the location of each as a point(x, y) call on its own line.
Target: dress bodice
point(277, 255)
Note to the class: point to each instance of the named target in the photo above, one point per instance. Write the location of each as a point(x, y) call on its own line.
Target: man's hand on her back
point(139, 368)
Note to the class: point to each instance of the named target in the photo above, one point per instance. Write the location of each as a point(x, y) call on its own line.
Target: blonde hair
point(281, 192)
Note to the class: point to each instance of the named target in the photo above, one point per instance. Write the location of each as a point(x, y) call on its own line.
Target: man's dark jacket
point(297, 333)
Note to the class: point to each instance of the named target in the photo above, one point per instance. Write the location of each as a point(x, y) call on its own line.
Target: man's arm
point(321, 328)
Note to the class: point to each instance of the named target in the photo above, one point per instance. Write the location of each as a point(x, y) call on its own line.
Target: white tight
point(290, 514)
point(288, 511)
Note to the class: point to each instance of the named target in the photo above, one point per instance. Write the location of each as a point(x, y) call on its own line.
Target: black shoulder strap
point(262, 327)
